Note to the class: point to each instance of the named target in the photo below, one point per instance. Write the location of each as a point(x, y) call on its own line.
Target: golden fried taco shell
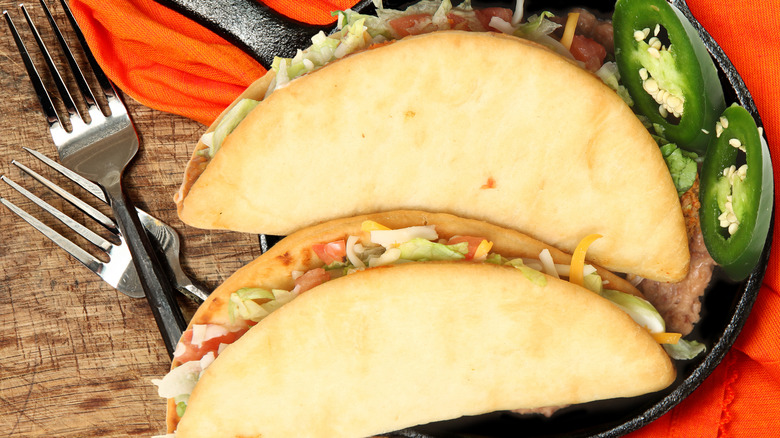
point(480, 125)
point(384, 349)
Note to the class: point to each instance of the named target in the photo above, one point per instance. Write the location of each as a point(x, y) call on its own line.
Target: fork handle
point(157, 287)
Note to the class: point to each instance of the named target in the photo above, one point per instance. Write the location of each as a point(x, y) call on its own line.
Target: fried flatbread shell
point(389, 348)
point(198, 163)
point(480, 125)
point(274, 269)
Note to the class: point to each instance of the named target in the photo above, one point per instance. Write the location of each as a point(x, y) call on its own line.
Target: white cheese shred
point(548, 265)
point(198, 334)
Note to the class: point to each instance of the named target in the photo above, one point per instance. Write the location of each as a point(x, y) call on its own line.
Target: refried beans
point(680, 303)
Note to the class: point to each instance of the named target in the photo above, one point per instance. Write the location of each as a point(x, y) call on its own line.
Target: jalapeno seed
point(728, 218)
point(668, 102)
point(734, 142)
point(655, 43)
point(641, 35)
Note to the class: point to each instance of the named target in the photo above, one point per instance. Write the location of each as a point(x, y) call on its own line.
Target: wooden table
point(76, 356)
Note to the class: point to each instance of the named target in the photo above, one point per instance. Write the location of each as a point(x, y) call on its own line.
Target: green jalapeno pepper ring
point(752, 197)
point(685, 70)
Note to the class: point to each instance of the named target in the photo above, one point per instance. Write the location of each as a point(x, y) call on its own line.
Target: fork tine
point(86, 91)
point(71, 248)
point(85, 232)
point(67, 99)
point(86, 184)
point(105, 83)
point(40, 89)
point(87, 209)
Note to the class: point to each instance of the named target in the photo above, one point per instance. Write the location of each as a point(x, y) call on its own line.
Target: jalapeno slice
point(736, 193)
point(668, 71)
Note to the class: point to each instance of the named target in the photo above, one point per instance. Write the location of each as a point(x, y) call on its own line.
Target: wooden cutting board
point(77, 357)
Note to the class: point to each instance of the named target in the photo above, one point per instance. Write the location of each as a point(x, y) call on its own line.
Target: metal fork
point(118, 271)
point(99, 148)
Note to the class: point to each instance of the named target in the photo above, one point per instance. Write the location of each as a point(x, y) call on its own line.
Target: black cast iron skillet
point(263, 34)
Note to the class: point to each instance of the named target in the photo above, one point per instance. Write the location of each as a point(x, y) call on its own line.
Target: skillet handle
point(253, 27)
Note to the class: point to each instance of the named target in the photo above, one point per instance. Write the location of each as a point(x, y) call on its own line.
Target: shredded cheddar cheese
point(568, 31)
point(372, 226)
point(483, 249)
point(576, 275)
point(666, 338)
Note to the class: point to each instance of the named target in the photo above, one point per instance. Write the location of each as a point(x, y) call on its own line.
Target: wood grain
point(78, 356)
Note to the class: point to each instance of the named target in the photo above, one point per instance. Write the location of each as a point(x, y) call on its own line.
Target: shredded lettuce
point(254, 303)
point(353, 39)
point(229, 123)
point(684, 349)
point(682, 166)
point(419, 249)
point(593, 283)
point(440, 16)
point(353, 36)
point(533, 275)
point(242, 305)
point(375, 26)
point(640, 310)
point(658, 129)
point(537, 25)
point(644, 314)
point(538, 29)
point(495, 259)
point(609, 74)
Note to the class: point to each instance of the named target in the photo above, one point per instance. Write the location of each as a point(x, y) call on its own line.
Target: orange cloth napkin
point(167, 62)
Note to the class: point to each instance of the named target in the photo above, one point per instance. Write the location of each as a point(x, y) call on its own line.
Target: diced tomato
point(588, 51)
point(485, 15)
point(473, 242)
point(331, 252)
point(194, 352)
point(414, 24)
point(312, 278)
point(457, 22)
